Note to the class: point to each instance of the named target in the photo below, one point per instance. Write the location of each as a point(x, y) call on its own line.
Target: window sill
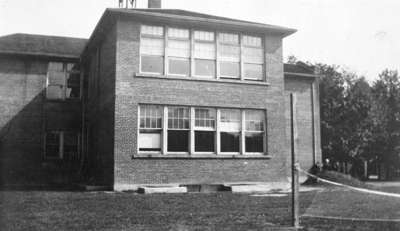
point(199, 156)
point(193, 78)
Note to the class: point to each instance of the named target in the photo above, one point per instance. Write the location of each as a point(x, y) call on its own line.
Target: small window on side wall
point(63, 81)
point(62, 145)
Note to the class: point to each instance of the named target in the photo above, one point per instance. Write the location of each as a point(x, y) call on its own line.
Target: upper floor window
point(152, 49)
point(63, 81)
point(200, 53)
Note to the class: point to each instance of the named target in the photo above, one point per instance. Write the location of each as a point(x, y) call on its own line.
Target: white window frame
point(220, 59)
point(163, 37)
point(214, 42)
point(160, 129)
point(217, 132)
point(195, 128)
point(64, 85)
point(244, 62)
point(168, 57)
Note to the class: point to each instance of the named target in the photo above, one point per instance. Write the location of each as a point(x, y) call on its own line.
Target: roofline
point(267, 28)
point(41, 54)
point(290, 74)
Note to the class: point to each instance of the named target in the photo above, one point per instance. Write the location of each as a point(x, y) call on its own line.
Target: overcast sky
point(361, 35)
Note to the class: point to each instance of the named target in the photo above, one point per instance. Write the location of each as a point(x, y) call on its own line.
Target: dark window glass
point(254, 142)
point(204, 141)
point(179, 66)
point(230, 141)
point(70, 145)
point(229, 69)
point(153, 64)
point(205, 67)
point(178, 141)
point(73, 85)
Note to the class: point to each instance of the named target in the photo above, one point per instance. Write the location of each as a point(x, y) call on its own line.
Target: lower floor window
point(61, 145)
point(201, 130)
point(204, 141)
point(178, 141)
point(230, 142)
point(254, 142)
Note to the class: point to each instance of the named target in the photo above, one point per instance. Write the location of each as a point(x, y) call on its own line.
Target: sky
point(362, 36)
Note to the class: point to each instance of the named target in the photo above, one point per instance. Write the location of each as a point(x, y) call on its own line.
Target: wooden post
point(295, 163)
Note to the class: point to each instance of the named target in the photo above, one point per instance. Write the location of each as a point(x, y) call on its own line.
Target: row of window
point(200, 130)
point(185, 52)
point(63, 81)
point(62, 145)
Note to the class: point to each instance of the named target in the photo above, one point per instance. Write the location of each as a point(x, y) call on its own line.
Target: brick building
point(155, 96)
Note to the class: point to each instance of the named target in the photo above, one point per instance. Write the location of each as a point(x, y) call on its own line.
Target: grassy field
point(51, 210)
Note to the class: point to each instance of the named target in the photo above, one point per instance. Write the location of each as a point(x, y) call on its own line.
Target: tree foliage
point(359, 121)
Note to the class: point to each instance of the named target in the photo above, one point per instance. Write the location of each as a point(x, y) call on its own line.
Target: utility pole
point(295, 164)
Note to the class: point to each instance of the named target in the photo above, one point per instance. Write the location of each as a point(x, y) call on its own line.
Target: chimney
point(154, 4)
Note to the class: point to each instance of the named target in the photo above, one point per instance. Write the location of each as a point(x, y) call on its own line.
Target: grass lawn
point(50, 210)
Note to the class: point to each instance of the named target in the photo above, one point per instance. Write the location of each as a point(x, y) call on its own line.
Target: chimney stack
point(154, 4)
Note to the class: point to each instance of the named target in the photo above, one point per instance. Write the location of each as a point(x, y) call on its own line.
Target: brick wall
point(307, 119)
point(132, 90)
point(24, 116)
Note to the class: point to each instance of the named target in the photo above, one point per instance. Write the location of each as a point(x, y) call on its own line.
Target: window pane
point(153, 64)
point(229, 53)
point(229, 38)
point(253, 55)
point(150, 116)
point(178, 118)
point(73, 67)
point(73, 85)
point(178, 141)
point(56, 78)
point(178, 33)
point(253, 71)
point(204, 35)
point(178, 48)
point(152, 46)
point(179, 66)
point(204, 141)
point(254, 142)
point(70, 145)
point(52, 144)
point(229, 69)
point(54, 66)
point(230, 141)
point(54, 92)
point(230, 120)
point(149, 140)
point(204, 67)
point(251, 41)
point(205, 117)
point(152, 30)
point(254, 120)
point(204, 50)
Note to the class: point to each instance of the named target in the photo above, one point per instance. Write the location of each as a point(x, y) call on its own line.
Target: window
point(150, 128)
point(195, 53)
point(178, 129)
point(152, 49)
point(204, 54)
point(178, 52)
point(252, 58)
point(63, 81)
point(193, 130)
point(230, 127)
point(62, 145)
point(229, 55)
point(254, 131)
point(204, 134)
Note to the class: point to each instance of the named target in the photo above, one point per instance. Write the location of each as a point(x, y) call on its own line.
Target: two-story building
point(159, 96)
